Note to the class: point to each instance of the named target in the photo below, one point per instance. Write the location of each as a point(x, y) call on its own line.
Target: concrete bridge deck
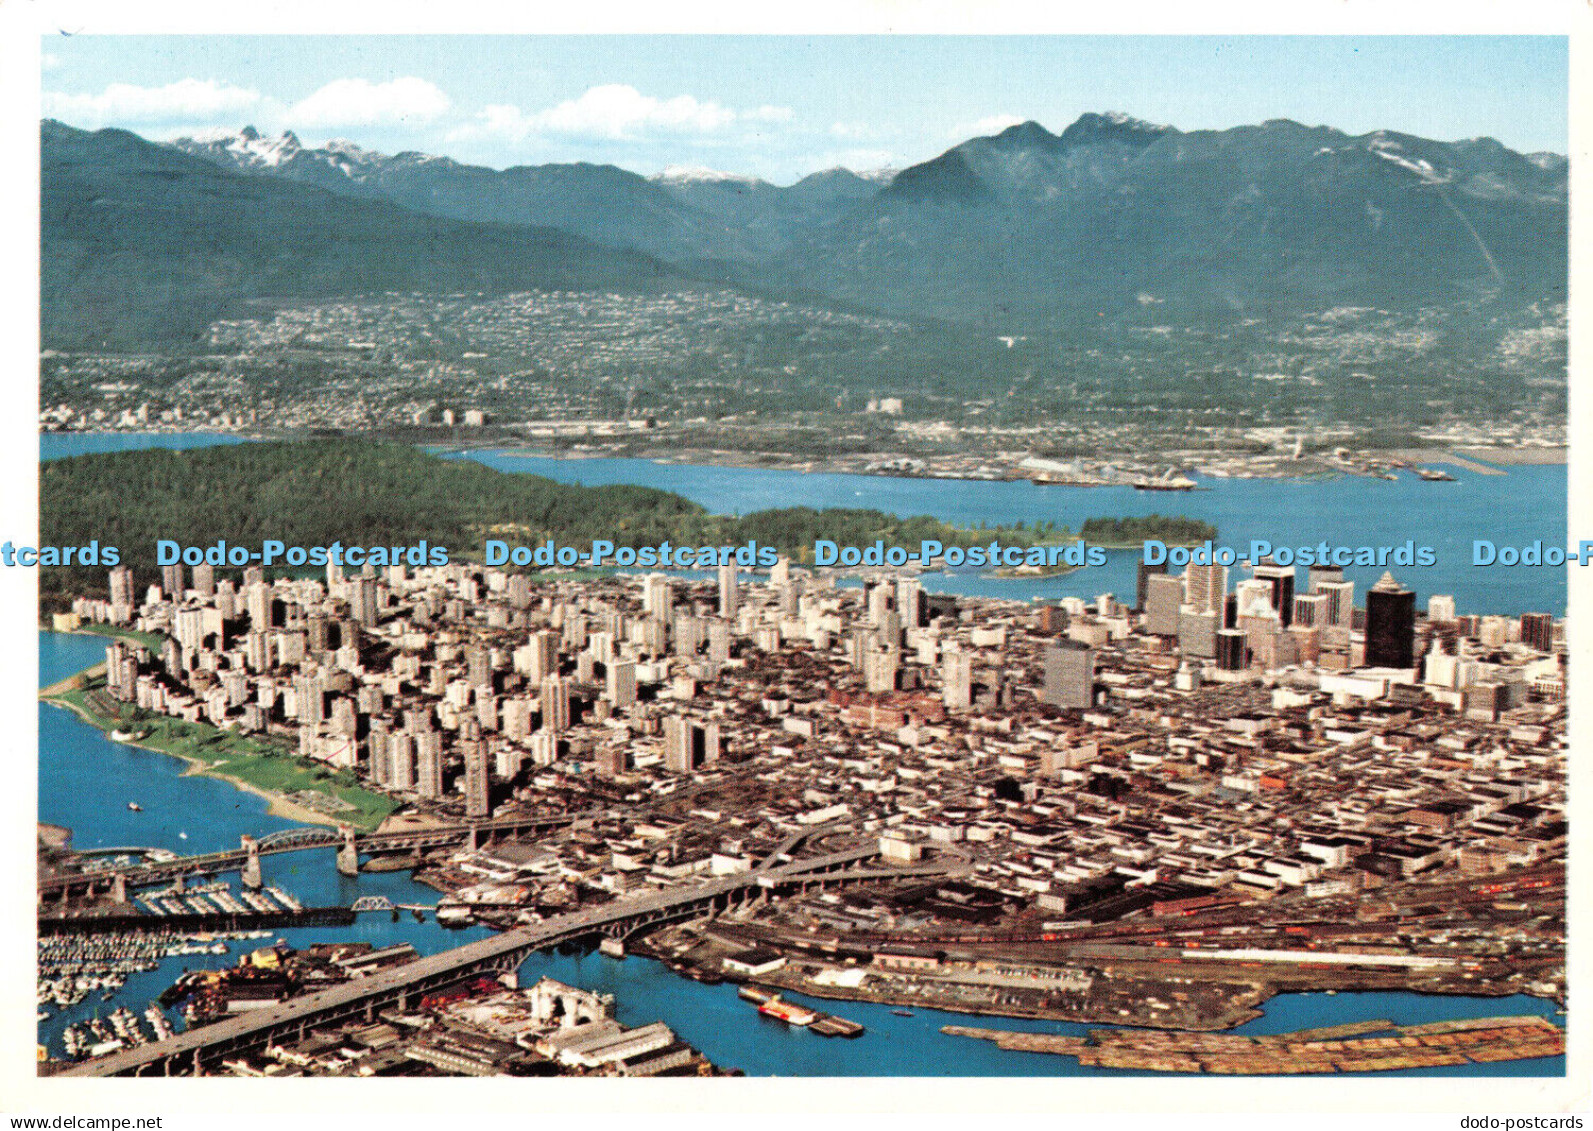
point(503, 953)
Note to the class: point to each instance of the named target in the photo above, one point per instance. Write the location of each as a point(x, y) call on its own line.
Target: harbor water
point(1521, 505)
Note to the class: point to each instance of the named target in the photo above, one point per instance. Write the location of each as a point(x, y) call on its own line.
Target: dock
point(824, 1024)
point(829, 1025)
point(191, 921)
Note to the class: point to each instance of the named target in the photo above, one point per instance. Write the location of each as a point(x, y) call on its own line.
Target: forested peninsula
point(361, 492)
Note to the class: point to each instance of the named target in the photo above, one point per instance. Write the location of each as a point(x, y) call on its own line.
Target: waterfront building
point(376, 753)
point(122, 599)
point(1537, 631)
point(429, 764)
point(401, 761)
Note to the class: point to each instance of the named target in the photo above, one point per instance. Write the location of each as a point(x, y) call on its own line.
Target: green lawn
point(151, 640)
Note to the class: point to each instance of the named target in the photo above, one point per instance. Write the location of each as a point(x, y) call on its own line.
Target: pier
point(196, 922)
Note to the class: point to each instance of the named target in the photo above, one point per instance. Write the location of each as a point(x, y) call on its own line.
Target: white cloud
point(186, 100)
point(617, 112)
point(359, 102)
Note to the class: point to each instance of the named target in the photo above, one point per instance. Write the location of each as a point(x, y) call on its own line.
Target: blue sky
point(784, 106)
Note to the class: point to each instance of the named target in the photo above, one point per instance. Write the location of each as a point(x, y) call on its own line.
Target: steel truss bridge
point(403, 987)
point(61, 888)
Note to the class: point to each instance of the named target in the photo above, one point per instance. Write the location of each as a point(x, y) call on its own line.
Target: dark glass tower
point(1281, 578)
point(1390, 625)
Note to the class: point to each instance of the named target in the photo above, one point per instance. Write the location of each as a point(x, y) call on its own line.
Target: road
point(501, 952)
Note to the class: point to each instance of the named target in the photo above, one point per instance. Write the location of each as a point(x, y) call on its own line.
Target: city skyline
point(1055, 768)
point(1235, 759)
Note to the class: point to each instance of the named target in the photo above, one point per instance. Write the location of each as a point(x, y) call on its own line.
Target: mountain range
point(1115, 214)
point(680, 215)
point(143, 243)
point(1112, 219)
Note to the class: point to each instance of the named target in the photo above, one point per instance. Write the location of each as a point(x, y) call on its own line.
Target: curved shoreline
point(276, 804)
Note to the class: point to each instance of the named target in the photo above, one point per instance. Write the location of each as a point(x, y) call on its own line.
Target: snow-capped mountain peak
point(698, 174)
point(250, 146)
point(251, 151)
